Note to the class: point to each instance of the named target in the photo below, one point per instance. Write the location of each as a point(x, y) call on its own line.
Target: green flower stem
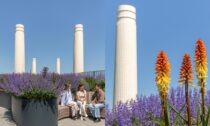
point(203, 98)
point(189, 122)
point(165, 115)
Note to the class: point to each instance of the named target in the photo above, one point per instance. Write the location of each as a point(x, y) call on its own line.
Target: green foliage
point(38, 94)
point(91, 83)
point(102, 83)
point(208, 117)
point(205, 121)
point(201, 120)
point(115, 123)
point(197, 117)
point(2, 80)
point(178, 115)
point(166, 122)
point(83, 81)
point(158, 121)
point(135, 121)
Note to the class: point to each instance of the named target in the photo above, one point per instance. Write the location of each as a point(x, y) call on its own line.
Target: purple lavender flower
point(42, 87)
point(124, 113)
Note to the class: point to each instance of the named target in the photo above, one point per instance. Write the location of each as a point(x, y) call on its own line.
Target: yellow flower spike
point(201, 60)
point(162, 74)
point(201, 69)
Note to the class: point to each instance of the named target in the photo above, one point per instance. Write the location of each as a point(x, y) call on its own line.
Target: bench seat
point(65, 111)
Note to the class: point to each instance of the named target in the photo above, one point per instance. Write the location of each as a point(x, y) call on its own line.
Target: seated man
point(98, 102)
point(67, 99)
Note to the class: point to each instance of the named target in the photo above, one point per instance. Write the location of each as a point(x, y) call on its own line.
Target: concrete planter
point(5, 101)
point(35, 112)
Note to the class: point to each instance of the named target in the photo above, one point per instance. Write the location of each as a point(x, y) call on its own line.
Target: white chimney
point(78, 49)
point(19, 49)
point(126, 55)
point(34, 66)
point(58, 66)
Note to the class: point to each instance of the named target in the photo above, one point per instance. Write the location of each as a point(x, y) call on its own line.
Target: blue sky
point(172, 26)
point(49, 29)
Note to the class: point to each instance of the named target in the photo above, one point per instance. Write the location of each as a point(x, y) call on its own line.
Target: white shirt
point(66, 97)
point(81, 95)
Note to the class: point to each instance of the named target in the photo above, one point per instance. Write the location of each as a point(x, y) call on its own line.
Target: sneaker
point(93, 118)
point(78, 116)
point(97, 120)
point(86, 115)
point(81, 118)
point(74, 118)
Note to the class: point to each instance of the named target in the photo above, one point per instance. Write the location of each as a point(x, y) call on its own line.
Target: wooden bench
point(65, 111)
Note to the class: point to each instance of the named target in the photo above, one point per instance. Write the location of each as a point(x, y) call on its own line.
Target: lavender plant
point(44, 85)
point(30, 86)
point(136, 112)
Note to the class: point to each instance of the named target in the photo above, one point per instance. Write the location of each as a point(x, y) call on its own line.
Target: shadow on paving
point(88, 122)
point(6, 120)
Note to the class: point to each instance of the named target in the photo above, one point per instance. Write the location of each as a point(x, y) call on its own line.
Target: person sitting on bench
point(81, 101)
point(67, 100)
point(98, 102)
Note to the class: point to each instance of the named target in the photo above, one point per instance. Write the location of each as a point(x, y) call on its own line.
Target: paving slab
point(88, 122)
point(6, 120)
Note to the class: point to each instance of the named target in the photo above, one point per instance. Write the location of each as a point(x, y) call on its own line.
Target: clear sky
point(172, 26)
point(49, 30)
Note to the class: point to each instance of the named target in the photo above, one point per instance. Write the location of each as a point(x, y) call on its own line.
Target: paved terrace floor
point(5, 120)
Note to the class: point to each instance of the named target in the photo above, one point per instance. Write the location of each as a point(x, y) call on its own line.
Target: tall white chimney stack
point(126, 55)
point(34, 66)
point(58, 66)
point(78, 49)
point(19, 49)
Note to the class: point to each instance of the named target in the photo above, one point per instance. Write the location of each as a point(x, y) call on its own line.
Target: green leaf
point(168, 114)
point(155, 120)
point(207, 118)
point(197, 117)
point(203, 120)
point(178, 113)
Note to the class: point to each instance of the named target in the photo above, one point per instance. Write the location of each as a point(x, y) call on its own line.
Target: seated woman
point(98, 102)
point(67, 99)
point(81, 101)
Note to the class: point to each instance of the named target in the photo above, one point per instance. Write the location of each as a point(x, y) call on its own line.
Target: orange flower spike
point(186, 73)
point(201, 69)
point(186, 78)
point(162, 74)
point(201, 61)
